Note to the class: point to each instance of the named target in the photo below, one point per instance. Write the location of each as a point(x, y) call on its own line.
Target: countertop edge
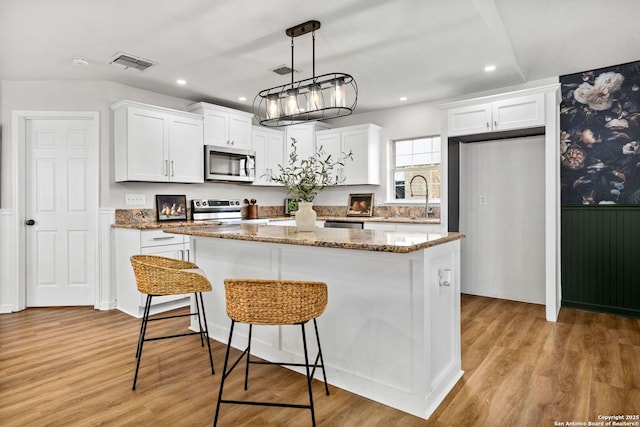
point(371, 247)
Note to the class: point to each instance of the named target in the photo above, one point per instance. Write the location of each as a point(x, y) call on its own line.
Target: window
point(416, 161)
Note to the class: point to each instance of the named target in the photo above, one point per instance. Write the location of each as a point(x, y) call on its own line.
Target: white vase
point(305, 216)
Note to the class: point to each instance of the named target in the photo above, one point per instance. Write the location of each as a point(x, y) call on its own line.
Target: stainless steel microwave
point(229, 164)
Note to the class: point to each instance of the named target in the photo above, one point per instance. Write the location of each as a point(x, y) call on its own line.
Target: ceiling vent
point(126, 61)
point(284, 70)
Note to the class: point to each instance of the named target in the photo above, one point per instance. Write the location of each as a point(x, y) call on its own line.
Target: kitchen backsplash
point(142, 216)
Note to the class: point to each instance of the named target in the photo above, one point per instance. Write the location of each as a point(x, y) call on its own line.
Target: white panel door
point(502, 217)
point(60, 199)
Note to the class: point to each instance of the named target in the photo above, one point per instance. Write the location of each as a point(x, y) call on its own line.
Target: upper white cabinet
point(305, 136)
point(270, 148)
point(507, 114)
point(157, 144)
point(224, 127)
point(363, 141)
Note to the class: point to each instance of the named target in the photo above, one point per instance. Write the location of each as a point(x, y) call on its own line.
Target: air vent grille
point(284, 70)
point(127, 61)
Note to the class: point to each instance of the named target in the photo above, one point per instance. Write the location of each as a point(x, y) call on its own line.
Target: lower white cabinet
point(402, 226)
point(292, 223)
point(130, 242)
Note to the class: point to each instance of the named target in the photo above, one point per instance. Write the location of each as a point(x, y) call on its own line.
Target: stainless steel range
point(227, 211)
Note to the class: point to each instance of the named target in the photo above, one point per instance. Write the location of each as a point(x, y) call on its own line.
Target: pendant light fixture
point(320, 97)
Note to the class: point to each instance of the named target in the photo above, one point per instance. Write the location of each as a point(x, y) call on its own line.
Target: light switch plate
point(134, 199)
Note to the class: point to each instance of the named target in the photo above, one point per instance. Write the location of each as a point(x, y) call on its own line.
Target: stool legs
point(203, 331)
point(143, 330)
point(309, 372)
point(206, 329)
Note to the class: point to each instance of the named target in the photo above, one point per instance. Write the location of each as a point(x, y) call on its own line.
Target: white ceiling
point(422, 49)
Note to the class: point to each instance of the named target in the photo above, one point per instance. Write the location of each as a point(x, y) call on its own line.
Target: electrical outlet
point(483, 200)
point(134, 199)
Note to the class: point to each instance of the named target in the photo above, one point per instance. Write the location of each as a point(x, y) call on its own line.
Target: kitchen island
point(391, 330)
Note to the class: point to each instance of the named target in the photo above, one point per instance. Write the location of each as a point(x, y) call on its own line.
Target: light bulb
point(338, 95)
point(291, 106)
point(273, 110)
point(315, 101)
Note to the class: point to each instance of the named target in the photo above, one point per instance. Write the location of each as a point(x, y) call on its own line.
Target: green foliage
point(305, 178)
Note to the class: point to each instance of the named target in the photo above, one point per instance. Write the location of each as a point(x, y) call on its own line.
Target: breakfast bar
point(391, 330)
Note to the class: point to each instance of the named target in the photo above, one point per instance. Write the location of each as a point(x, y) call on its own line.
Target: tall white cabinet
point(269, 147)
point(157, 144)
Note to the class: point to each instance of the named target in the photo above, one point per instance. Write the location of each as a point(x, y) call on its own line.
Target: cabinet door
point(239, 131)
point(304, 136)
point(331, 143)
point(216, 128)
point(147, 149)
point(385, 226)
point(469, 120)
point(364, 168)
point(185, 150)
point(418, 228)
point(519, 113)
point(269, 148)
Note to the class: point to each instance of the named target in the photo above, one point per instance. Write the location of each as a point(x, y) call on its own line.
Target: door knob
point(30, 222)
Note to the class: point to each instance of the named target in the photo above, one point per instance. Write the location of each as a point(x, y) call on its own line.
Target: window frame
point(393, 169)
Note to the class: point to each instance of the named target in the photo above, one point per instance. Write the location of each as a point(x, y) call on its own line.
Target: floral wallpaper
point(600, 136)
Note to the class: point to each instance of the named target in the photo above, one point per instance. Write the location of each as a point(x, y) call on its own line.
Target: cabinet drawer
point(159, 238)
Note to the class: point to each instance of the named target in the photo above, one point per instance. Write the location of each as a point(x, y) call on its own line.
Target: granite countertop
point(155, 225)
point(367, 240)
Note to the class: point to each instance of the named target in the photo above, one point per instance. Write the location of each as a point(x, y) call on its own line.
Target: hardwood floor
point(74, 366)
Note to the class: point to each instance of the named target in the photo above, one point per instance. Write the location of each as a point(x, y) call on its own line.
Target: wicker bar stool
point(274, 302)
point(155, 276)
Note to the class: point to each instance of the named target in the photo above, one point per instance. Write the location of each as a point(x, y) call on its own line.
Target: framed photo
point(360, 205)
point(290, 206)
point(171, 207)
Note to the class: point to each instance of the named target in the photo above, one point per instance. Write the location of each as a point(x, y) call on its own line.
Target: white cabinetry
point(507, 114)
point(292, 223)
point(364, 142)
point(130, 242)
point(157, 144)
point(269, 147)
point(224, 127)
point(305, 136)
point(402, 227)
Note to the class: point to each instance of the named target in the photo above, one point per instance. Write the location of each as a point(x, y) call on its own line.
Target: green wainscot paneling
point(601, 258)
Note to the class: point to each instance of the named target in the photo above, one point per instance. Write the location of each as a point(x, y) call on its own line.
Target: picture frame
point(360, 204)
point(290, 206)
point(171, 207)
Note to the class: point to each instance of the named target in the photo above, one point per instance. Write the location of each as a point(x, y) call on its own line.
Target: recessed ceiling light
point(403, 98)
point(489, 68)
point(242, 98)
point(181, 81)
point(80, 61)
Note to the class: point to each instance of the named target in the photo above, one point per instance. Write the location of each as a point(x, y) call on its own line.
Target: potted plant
point(305, 178)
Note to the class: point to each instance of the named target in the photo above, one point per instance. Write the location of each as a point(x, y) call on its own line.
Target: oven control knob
point(204, 203)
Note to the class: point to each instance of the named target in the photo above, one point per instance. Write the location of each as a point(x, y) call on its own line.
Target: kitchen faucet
point(426, 185)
